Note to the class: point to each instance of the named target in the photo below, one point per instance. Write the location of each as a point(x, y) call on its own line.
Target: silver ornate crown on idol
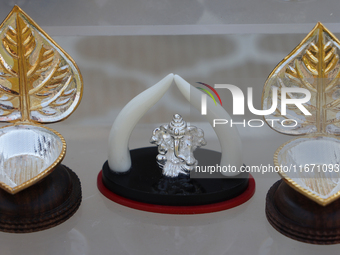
point(176, 143)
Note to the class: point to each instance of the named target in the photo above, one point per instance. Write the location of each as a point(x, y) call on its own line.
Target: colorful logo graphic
point(209, 93)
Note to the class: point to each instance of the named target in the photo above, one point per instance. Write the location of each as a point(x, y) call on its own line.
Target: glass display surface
point(124, 47)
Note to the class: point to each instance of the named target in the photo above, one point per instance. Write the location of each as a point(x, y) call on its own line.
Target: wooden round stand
point(300, 218)
point(44, 205)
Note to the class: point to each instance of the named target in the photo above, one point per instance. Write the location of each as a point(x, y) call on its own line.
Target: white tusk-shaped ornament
point(119, 155)
point(229, 138)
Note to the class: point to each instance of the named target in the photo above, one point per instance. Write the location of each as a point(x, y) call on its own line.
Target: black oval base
point(300, 218)
point(46, 204)
point(145, 183)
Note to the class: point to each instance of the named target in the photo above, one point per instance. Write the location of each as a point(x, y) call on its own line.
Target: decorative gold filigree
point(39, 82)
point(312, 65)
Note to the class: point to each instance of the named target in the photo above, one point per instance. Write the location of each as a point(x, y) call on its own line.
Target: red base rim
point(198, 209)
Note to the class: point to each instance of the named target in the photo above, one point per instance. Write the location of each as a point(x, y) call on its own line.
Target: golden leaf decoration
point(39, 81)
point(312, 65)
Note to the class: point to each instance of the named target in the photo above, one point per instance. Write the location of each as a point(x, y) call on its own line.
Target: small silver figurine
point(176, 143)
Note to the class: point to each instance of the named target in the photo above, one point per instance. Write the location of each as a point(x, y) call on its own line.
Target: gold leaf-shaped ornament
point(39, 83)
point(312, 65)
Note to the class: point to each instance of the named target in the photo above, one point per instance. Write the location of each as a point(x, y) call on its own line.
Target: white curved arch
point(119, 154)
point(229, 138)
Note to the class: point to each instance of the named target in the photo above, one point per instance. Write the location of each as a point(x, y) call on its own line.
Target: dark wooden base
point(44, 205)
point(300, 218)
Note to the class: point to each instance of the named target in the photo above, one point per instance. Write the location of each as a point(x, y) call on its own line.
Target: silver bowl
point(28, 153)
point(311, 165)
